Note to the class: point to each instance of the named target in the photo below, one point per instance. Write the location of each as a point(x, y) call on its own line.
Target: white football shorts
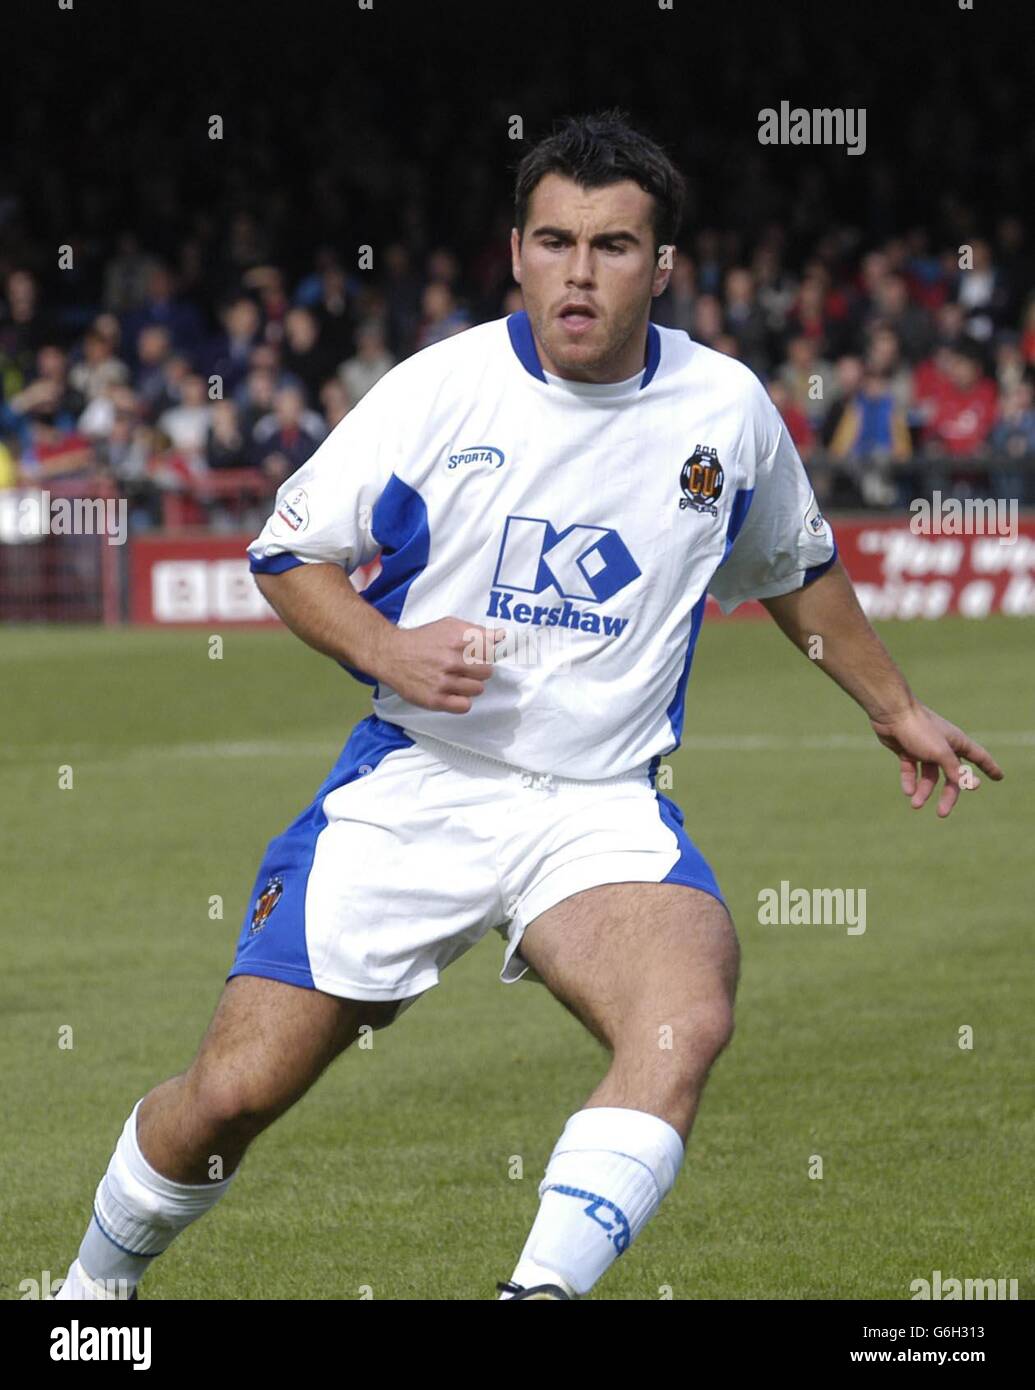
point(413, 849)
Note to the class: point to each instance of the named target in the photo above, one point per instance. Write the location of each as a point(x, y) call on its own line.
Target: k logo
point(591, 563)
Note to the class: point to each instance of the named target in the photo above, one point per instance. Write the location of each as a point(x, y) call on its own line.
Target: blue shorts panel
point(691, 868)
point(272, 941)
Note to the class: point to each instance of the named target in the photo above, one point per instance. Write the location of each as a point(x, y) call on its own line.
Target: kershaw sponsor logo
point(483, 456)
point(582, 564)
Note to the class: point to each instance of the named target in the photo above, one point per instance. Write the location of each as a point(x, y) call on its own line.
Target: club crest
point(267, 901)
point(701, 479)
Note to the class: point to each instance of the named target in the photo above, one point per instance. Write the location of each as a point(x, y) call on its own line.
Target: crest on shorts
point(701, 479)
point(268, 899)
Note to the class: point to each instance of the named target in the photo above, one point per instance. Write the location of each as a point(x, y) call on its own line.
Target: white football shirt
point(589, 521)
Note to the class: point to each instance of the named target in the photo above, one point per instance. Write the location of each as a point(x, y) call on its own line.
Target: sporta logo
point(589, 564)
point(482, 456)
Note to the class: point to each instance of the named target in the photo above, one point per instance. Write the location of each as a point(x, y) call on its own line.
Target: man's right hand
point(441, 666)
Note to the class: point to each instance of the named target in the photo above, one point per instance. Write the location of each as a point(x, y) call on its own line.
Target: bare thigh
point(651, 970)
point(266, 1044)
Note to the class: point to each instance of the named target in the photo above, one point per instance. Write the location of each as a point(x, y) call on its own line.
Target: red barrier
point(897, 574)
point(187, 580)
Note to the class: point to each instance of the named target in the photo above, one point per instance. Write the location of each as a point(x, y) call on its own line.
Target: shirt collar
point(523, 343)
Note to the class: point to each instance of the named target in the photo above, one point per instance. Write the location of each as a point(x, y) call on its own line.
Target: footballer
point(552, 496)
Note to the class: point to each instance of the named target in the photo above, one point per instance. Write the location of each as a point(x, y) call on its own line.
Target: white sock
point(137, 1213)
point(79, 1286)
point(605, 1179)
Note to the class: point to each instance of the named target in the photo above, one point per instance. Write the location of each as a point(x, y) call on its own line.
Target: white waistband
point(454, 755)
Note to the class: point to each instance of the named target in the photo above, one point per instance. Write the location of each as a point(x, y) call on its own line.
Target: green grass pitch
point(394, 1174)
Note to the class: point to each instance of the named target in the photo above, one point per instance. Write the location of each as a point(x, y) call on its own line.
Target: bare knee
point(226, 1102)
point(693, 1033)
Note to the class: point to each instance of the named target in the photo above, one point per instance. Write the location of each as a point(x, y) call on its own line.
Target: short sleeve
point(784, 542)
point(323, 512)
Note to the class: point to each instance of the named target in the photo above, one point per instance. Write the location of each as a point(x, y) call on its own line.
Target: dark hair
point(599, 150)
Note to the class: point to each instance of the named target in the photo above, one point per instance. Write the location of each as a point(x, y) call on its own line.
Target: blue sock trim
point(621, 1237)
point(633, 1159)
point(140, 1255)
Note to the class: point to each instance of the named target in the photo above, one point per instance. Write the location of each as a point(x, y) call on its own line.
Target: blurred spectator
point(810, 319)
point(874, 268)
point(872, 432)
point(304, 353)
point(254, 399)
point(909, 323)
point(335, 315)
point(982, 293)
point(48, 400)
point(225, 445)
point(775, 289)
point(927, 282)
point(126, 451)
point(55, 453)
point(845, 385)
point(186, 425)
point(126, 276)
point(98, 367)
point(1016, 265)
point(231, 351)
point(963, 407)
point(162, 308)
point(402, 298)
point(334, 399)
point(23, 331)
point(675, 307)
point(285, 441)
point(8, 467)
point(441, 316)
point(267, 281)
point(796, 420)
point(1014, 431)
point(1028, 335)
point(706, 325)
point(708, 262)
point(1013, 438)
point(371, 362)
point(1009, 363)
point(745, 320)
point(884, 360)
point(153, 354)
point(872, 424)
point(444, 269)
point(805, 375)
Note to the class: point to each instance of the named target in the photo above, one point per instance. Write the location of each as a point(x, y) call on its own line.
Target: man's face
point(587, 266)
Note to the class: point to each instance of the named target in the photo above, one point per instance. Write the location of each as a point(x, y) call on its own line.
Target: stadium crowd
point(873, 360)
point(210, 319)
